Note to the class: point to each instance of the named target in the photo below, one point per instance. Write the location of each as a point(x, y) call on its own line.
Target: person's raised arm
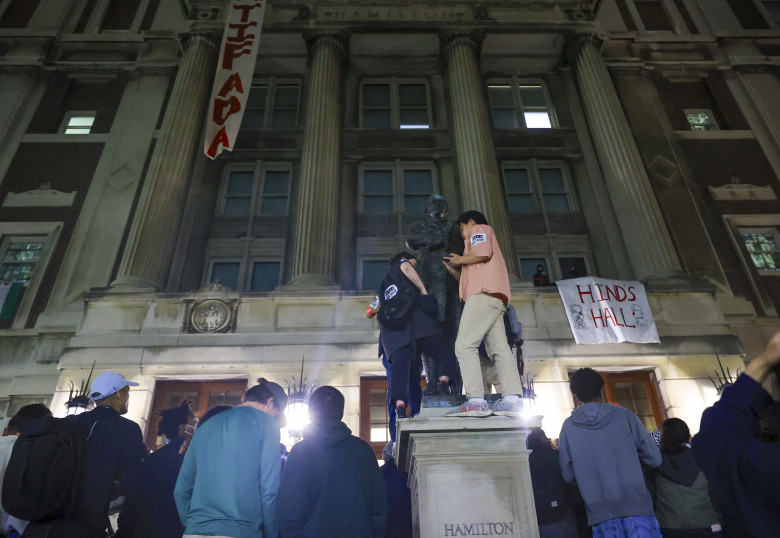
point(410, 272)
point(760, 367)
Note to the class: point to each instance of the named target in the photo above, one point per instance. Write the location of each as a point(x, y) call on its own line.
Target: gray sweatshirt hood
point(593, 415)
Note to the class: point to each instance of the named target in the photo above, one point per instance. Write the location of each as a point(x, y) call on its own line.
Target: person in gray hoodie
point(601, 447)
point(331, 484)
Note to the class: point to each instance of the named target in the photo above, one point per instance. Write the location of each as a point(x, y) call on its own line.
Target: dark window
point(272, 106)
point(120, 14)
point(653, 15)
point(19, 13)
point(747, 14)
point(373, 273)
point(773, 8)
point(572, 267)
point(528, 268)
point(265, 276)
point(226, 273)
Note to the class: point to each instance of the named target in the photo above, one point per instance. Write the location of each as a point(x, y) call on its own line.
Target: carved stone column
point(316, 222)
point(152, 240)
point(647, 241)
point(480, 181)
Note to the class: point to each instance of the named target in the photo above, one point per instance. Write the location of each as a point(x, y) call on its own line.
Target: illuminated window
point(78, 123)
point(519, 105)
point(763, 245)
point(701, 119)
point(393, 104)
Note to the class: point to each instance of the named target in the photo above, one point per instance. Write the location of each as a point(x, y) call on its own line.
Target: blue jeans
point(415, 390)
point(628, 527)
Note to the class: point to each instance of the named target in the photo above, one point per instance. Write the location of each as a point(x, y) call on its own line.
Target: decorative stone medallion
point(211, 316)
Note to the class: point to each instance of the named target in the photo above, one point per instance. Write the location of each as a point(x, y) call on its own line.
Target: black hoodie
point(331, 486)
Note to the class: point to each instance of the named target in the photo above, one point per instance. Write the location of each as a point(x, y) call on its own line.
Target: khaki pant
point(483, 319)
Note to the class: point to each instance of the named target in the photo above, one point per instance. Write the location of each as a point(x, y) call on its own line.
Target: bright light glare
point(297, 414)
point(537, 120)
point(415, 126)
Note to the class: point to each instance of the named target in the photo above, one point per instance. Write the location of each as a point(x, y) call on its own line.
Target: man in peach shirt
point(484, 286)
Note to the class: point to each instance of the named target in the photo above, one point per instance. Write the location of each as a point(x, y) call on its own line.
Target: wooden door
point(637, 392)
point(374, 418)
point(203, 394)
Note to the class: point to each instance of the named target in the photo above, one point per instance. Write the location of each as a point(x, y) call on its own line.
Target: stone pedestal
point(468, 476)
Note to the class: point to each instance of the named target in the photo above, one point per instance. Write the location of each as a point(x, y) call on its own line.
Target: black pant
point(434, 346)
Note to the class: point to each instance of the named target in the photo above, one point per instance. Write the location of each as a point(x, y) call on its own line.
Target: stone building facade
point(629, 139)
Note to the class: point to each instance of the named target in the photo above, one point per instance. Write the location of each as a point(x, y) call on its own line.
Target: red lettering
point(625, 323)
point(233, 51)
point(233, 82)
point(608, 316)
point(589, 292)
point(631, 291)
point(245, 9)
point(594, 316)
point(617, 293)
point(221, 139)
point(601, 293)
point(232, 105)
point(241, 36)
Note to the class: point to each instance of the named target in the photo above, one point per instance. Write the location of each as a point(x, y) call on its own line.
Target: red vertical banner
point(233, 79)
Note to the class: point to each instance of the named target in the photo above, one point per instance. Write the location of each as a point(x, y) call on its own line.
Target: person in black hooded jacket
point(682, 501)
point(331, 484)
point(150, 511)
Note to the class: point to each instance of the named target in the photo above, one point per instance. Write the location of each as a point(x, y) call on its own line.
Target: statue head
point(436, 206)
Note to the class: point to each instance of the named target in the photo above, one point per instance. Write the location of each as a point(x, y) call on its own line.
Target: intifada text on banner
point(233, 79)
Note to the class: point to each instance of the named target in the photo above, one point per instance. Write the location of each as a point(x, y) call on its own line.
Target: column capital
point(336, 39)
point(574, 40)
point(450, 38)
point(208, 37)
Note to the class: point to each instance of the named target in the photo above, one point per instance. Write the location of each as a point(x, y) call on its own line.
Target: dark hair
point(211, 413)
point(326, 404)
point(26, 414)
point(674, 435)
point(586, 384)
point(538, 441)
point(400, 256)
point(172, 418)
point(260, 393)
point(476, 216)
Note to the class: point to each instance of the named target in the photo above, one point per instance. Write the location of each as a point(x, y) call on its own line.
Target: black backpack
point(396, 299)
point(548, 487)
point(43, 476)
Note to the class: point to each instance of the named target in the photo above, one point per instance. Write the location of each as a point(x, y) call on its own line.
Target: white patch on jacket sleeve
point(391, 291)
point(476, 239)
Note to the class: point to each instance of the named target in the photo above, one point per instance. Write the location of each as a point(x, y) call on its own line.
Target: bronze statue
point(434, 238)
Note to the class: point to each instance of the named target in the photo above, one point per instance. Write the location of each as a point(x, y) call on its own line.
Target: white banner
point(234, 74)
point(602, 311)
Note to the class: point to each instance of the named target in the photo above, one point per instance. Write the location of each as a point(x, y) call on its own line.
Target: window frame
point(69, 115)
point(271, 85)
point(250, 267)
point(50, 232)
point(710, 114)
point(760, 229)
point(395, 102)
point(259, 170)
point(533, 166)
point(397, 167)
point(515, 83)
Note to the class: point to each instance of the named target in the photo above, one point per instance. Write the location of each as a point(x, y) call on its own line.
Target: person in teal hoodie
point(600, 447)
point(230, 476)
point(331, 484)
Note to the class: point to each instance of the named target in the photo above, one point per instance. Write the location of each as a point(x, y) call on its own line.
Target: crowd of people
point(228, 475)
